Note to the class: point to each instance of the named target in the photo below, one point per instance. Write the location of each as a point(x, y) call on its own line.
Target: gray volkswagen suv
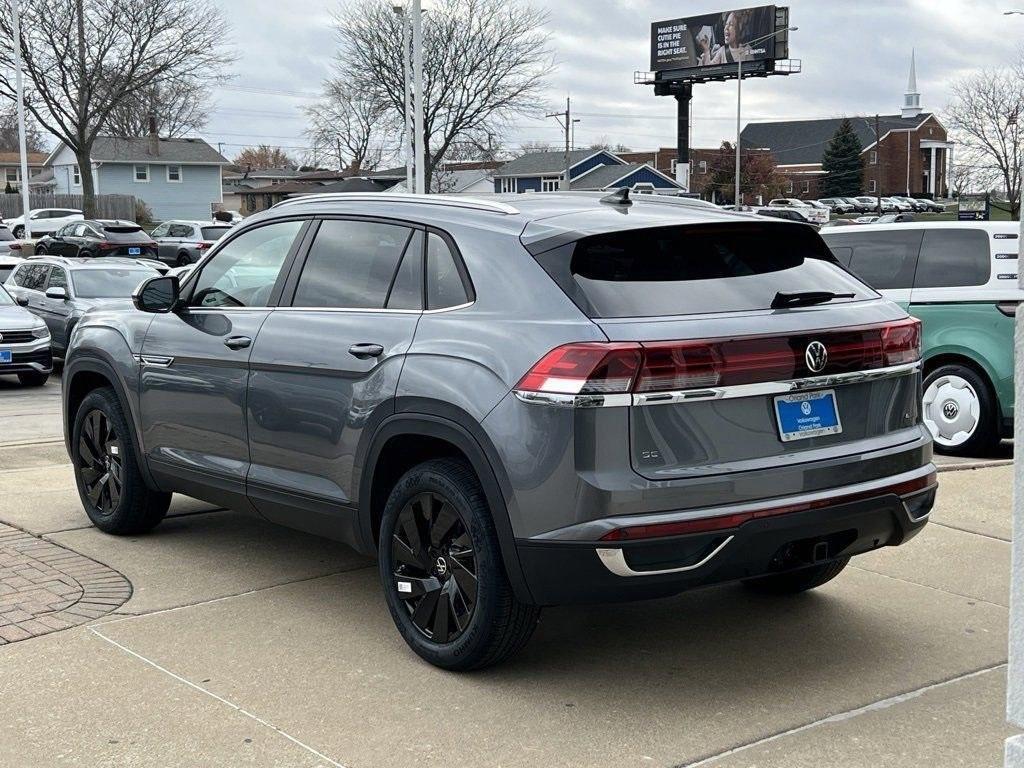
point(515, 402)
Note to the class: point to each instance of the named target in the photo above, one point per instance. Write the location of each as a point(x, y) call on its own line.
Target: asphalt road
point(247, 644)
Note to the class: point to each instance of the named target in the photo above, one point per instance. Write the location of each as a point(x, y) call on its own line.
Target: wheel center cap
point(441, 566)
point(950, 409)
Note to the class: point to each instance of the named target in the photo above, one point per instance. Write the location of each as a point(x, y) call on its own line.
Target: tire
point(101, 442)
point(183, 260)
point(33, 379)
point(960, 411)
point(18, 232)
point(795, 582)
point(39, 250)
point(457, 559)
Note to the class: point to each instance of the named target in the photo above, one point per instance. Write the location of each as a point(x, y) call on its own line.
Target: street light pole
point(739, 93)
point(406, 97)
point(19, 89)
point(417, 77)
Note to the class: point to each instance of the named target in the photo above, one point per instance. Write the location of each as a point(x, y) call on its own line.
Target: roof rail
point(451, 201)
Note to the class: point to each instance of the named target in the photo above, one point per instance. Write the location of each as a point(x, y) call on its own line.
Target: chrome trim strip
point(155, 361)
point(615, 561)
point(716, 393)
point(451, 201)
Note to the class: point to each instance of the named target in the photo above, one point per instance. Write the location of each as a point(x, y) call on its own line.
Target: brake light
point(14, 246)
point(202, 246)
point(901, 341)
point(724, 522)
point(666, 366)
point(584, 368)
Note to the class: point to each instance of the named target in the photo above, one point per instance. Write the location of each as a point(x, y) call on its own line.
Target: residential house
point(10, 171)
point(236, 182)
point(589, 169)
point(176, 178)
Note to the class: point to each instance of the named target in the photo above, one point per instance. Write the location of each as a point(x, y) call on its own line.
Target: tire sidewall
point(437, 476)
point(105, 401)
point(985, 434)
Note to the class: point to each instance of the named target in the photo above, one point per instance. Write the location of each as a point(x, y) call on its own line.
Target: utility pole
point(565, 121)
point(419, 141)
point(406, 97)
point(739, 92)
point(22, 144)
point(878, 180)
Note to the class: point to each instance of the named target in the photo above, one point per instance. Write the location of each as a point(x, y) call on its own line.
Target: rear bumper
point(573, 571)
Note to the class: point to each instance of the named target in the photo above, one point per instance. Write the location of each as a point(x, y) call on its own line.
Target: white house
point(176, 178)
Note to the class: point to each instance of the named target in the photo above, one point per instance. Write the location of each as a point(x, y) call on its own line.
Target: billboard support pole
point(739, 94)
point(683, 136)
point(20, 95)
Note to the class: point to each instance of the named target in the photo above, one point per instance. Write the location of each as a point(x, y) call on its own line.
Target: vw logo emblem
point(1, 337)
point(442, 566)
point(805, 408)
point(950, 409)
point(816, 356)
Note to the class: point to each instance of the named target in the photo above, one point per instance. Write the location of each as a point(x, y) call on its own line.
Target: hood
point(116, 304)
point(17, 319)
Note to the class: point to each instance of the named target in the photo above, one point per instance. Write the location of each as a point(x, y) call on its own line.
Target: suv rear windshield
point(122, 233)
point(214, 233)
point(695, 269)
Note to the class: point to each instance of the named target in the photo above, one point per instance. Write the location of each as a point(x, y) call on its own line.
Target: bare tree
point(986, 115)
point(529, 147)
point(604, 143)
point(485, 62)
point(83, 58)
point(34, 140)
point(264, 156)
point(348, 129)
point(180, 106)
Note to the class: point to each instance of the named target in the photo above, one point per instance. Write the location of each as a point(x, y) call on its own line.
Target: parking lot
point(245, 643)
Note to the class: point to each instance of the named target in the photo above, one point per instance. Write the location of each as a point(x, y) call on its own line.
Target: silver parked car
point(183, 242)
point(515, 402)
point(60, 290)
point(24, 343)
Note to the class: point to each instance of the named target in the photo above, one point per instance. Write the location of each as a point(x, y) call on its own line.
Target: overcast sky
point(855, 56)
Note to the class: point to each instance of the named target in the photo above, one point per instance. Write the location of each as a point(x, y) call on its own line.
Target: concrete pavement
point(246, 644)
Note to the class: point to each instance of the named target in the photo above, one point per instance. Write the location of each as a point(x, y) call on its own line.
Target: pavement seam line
point(966, 530)
point(849, 714)
point(929, 586)
point(215, 696)
point(257, 590)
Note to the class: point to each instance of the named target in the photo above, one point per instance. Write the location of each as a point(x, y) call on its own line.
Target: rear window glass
point(214, 233)
point(693, 270)
point(124, 234)
point(953, 257)
point(885, 260)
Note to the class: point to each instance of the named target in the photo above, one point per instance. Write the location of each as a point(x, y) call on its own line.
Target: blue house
point(589, 170)
point(176, 178)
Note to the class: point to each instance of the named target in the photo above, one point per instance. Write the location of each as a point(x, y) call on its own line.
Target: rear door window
point(885, 260)
point(35, 277)
point(953, 257)
point(696, 269)
point(351, 264)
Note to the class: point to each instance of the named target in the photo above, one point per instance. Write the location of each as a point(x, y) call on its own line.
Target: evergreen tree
point(843, 163)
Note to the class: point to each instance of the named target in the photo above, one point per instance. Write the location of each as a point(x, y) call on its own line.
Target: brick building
point(910, 156)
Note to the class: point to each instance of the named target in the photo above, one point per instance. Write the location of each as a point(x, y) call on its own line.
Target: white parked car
point(814, 214)
point(44, 221)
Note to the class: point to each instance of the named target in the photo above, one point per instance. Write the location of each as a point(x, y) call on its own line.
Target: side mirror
point(157, 294)
point(21, 301)
point(57, 293)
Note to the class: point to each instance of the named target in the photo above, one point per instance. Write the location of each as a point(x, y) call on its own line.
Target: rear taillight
point(665, 366)
point(15, 246)
point(584, 368)
point(901, 342)
point(202, 246)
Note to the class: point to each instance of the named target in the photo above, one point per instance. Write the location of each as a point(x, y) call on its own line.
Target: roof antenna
point(618, 197)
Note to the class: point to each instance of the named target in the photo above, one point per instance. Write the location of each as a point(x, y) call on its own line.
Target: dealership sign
point(716, 40)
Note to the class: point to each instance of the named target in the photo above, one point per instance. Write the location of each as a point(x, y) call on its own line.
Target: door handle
point(237, 342)
point(365, 351)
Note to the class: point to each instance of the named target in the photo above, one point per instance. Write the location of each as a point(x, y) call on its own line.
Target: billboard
point(714, 40)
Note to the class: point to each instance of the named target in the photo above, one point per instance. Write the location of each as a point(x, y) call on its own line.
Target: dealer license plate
point(807, 414)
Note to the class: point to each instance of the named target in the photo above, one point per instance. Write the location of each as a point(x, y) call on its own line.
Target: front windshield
point(5, 297)
point(108, 283)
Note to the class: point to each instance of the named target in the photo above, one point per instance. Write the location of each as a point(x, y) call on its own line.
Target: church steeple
point(912, 99)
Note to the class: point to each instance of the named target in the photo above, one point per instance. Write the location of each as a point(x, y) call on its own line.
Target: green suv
point(960, 279)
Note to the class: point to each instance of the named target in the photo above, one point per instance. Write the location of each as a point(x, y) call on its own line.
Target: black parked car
point(98, 237)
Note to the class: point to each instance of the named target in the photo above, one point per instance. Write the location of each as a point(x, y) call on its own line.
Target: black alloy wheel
point(435, 567)
point(100, 454)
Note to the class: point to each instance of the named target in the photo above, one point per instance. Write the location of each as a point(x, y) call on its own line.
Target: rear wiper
point(805, 298)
